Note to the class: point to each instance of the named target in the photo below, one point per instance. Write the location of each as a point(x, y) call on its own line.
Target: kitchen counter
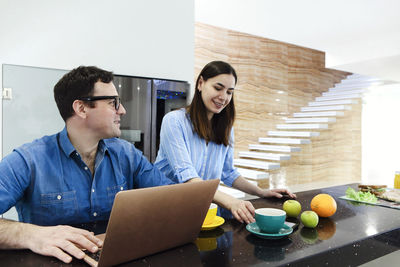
point(355, 234)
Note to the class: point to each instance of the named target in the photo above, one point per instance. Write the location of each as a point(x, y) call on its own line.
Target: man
point(72, 177)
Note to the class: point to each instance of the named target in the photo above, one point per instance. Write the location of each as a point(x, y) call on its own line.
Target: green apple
point(309, 218)
point(292, 207)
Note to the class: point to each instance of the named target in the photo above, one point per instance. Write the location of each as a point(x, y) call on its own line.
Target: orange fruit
point(324, 205)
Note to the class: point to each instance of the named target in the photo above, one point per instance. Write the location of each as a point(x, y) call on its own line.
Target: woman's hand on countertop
point(279, 193)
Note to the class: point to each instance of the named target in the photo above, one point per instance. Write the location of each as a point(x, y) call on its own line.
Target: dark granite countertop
point(355, 234)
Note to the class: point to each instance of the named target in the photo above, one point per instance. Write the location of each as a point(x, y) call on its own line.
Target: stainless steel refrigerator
point(147, 100)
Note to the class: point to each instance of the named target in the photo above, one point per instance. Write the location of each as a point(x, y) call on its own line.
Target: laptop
point(149, 220)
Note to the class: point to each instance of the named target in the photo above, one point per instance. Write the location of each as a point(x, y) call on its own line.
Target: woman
point(197, 143)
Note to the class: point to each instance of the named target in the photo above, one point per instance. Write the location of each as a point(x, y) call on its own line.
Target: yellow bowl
point(212, 212)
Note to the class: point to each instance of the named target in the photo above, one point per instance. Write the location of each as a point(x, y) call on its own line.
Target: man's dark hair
point(78, 83)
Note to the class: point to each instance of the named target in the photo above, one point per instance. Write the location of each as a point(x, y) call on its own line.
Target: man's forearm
point(62, 242)
point(13, 234)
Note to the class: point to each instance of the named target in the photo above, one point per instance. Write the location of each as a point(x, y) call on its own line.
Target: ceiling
point(360, 36)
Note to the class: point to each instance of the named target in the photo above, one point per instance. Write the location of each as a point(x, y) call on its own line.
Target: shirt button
point(92, 190)
point(86, 168)
point(59, 197)
point(77, 154)
point(94, 214)
point(122, 188)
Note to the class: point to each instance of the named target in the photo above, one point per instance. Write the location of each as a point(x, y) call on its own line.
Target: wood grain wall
point(276, 79)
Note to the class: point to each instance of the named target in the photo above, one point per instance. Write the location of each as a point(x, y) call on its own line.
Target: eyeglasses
point(117, 99)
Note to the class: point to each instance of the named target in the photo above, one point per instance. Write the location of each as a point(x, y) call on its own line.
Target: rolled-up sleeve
point(175, 148)
point(14, 179)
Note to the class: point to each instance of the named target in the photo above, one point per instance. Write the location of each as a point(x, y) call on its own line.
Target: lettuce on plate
point(361, 196)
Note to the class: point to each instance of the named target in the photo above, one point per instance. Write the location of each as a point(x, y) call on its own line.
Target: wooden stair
point(299, 128)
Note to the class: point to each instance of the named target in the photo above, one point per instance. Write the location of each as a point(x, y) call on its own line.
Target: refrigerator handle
point(153, 152)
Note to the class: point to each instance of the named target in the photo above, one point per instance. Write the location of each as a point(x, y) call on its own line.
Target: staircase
point(298, 130)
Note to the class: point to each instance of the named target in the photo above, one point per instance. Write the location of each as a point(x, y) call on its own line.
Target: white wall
point(360, 36)
point(152, 38)
point(380, 134)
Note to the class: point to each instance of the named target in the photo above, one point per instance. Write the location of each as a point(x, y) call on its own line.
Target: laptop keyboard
point(95, 256)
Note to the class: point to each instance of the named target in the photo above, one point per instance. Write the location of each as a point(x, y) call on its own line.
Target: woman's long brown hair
point(218, 131)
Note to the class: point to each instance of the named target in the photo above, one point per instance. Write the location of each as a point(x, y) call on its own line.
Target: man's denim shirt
point(49, 183)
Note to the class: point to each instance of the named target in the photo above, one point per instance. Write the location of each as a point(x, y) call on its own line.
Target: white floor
point(391, 260)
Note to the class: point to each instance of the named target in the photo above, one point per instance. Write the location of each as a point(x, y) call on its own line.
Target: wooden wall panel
point(276, 79)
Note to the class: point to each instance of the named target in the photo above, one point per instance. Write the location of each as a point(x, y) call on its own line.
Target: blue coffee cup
point(270, 220)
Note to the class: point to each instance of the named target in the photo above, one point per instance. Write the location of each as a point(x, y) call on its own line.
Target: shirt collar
point(102, 147)
point(65, 143)
point(68, 148)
